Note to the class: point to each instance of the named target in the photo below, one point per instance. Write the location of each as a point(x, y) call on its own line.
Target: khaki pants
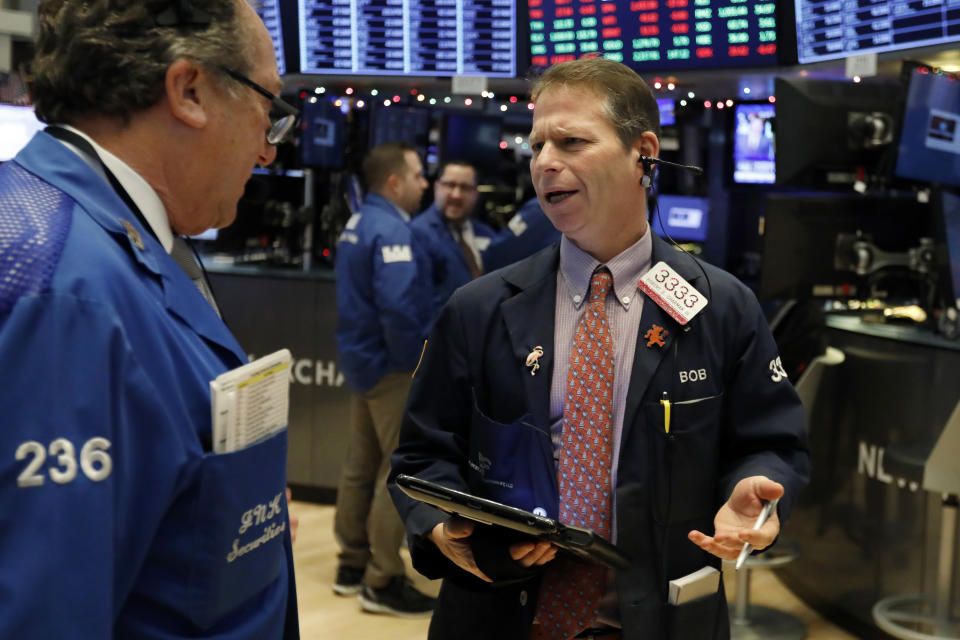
point(367, 526)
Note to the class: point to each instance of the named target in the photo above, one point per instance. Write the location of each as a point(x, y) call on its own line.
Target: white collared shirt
point(138, 189)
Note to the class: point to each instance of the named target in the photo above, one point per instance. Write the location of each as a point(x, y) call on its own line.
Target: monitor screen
point(929, 148)
point(822, 129)
point(668, 115)
point(475, 139)
point(950, 223)
point(409, 37)
point(684, 218)
point(322, 134)
point(800, 253)
point(753, 161)
point(830, 30)
point(269, 12)
point(655, 34)
point(401, 124)
point(17, 126)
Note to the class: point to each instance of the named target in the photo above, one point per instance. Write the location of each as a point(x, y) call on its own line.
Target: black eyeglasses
point(282, 115)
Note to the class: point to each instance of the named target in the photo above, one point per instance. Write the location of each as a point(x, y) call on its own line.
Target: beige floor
point(326, 616)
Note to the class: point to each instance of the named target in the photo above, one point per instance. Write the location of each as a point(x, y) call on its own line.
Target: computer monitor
point(323, 133)
point(381, 38)
point(832, 30)
point(947, 210)
point(929, 148)
point(269, 11)
point(753, 158)
point(668, 114)
point(401, 124)
point(474, 139)
point(683, 218)
point(17, 126)
point(800, 240)
point(830, 132)
point(655, 35)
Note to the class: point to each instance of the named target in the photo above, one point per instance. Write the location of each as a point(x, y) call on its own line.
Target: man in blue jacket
point(610, 382)
point(383, 309)
point(455, 243)
point(118, 520)
point(528, 231)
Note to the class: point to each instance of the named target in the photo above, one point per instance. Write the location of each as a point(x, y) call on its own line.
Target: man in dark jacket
point(455, 243)
point(610, 382)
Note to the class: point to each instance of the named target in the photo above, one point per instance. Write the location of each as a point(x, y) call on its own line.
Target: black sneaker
point(398, 598)
point(349, 581)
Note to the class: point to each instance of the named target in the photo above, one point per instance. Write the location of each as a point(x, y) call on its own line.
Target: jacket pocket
point(686, 458)
point(695, 620)
point(235, 542)
point(512, 463)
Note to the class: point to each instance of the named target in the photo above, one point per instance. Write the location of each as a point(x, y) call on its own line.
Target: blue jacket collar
point(51, 161)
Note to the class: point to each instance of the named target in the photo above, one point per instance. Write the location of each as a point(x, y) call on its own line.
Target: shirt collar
point(577, 267)
point(136, 187)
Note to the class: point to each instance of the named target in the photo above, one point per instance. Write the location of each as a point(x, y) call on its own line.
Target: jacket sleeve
point(87, 468)
point(402, 295)
point(764, 418)
point(434, 437)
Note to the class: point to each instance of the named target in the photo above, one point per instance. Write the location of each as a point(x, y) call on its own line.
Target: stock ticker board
point(408, 37)
point(828, 29)
point(655, 34)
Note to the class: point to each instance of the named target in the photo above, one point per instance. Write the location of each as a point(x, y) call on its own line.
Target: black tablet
point(581, 542)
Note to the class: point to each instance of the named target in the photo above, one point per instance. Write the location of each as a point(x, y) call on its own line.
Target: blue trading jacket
point(528, 231)
point(448, 267)
point(116, 520)
point(383, 298)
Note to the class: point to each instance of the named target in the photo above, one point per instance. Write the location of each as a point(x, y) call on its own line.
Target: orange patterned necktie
point(571, 590)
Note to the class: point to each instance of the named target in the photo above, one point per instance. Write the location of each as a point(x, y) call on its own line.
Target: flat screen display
point(829, 29)
point(753, 161)
point(684, 218)
point(409, 37)
point(929, 148)
point(950, 211)
point(655, 34)
point(269, 12)
point(668, 115)
point(17, 126)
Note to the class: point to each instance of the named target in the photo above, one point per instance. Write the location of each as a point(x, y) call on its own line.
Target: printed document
point(250, 403)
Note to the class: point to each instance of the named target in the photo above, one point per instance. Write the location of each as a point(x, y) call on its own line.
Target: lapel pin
point(533, 359)
point(655, 336)
point(133, 234)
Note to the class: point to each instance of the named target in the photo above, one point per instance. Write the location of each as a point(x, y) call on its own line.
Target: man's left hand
point(733, 524)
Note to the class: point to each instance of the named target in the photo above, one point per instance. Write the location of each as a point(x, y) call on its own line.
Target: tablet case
point(583, 543)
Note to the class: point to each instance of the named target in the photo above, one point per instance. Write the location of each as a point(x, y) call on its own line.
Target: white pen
point(764, 514)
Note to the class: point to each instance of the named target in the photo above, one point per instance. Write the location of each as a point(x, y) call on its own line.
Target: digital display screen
point(17, 126)
point(684, 218)
point(408, 37)
point(828, 29)
point(655, 34)
point(269, 12)
point(753, 161)
point(668, 115)
point(950, 210)
point(929, 148)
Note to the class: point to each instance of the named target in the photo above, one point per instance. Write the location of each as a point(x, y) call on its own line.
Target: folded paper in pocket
point(701, 582)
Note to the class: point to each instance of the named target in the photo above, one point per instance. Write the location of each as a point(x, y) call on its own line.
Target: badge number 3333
point(94, 461)
point(672, 293)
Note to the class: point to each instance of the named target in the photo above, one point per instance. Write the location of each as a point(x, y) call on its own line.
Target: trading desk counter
point(269, 309)
point(866, 533)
